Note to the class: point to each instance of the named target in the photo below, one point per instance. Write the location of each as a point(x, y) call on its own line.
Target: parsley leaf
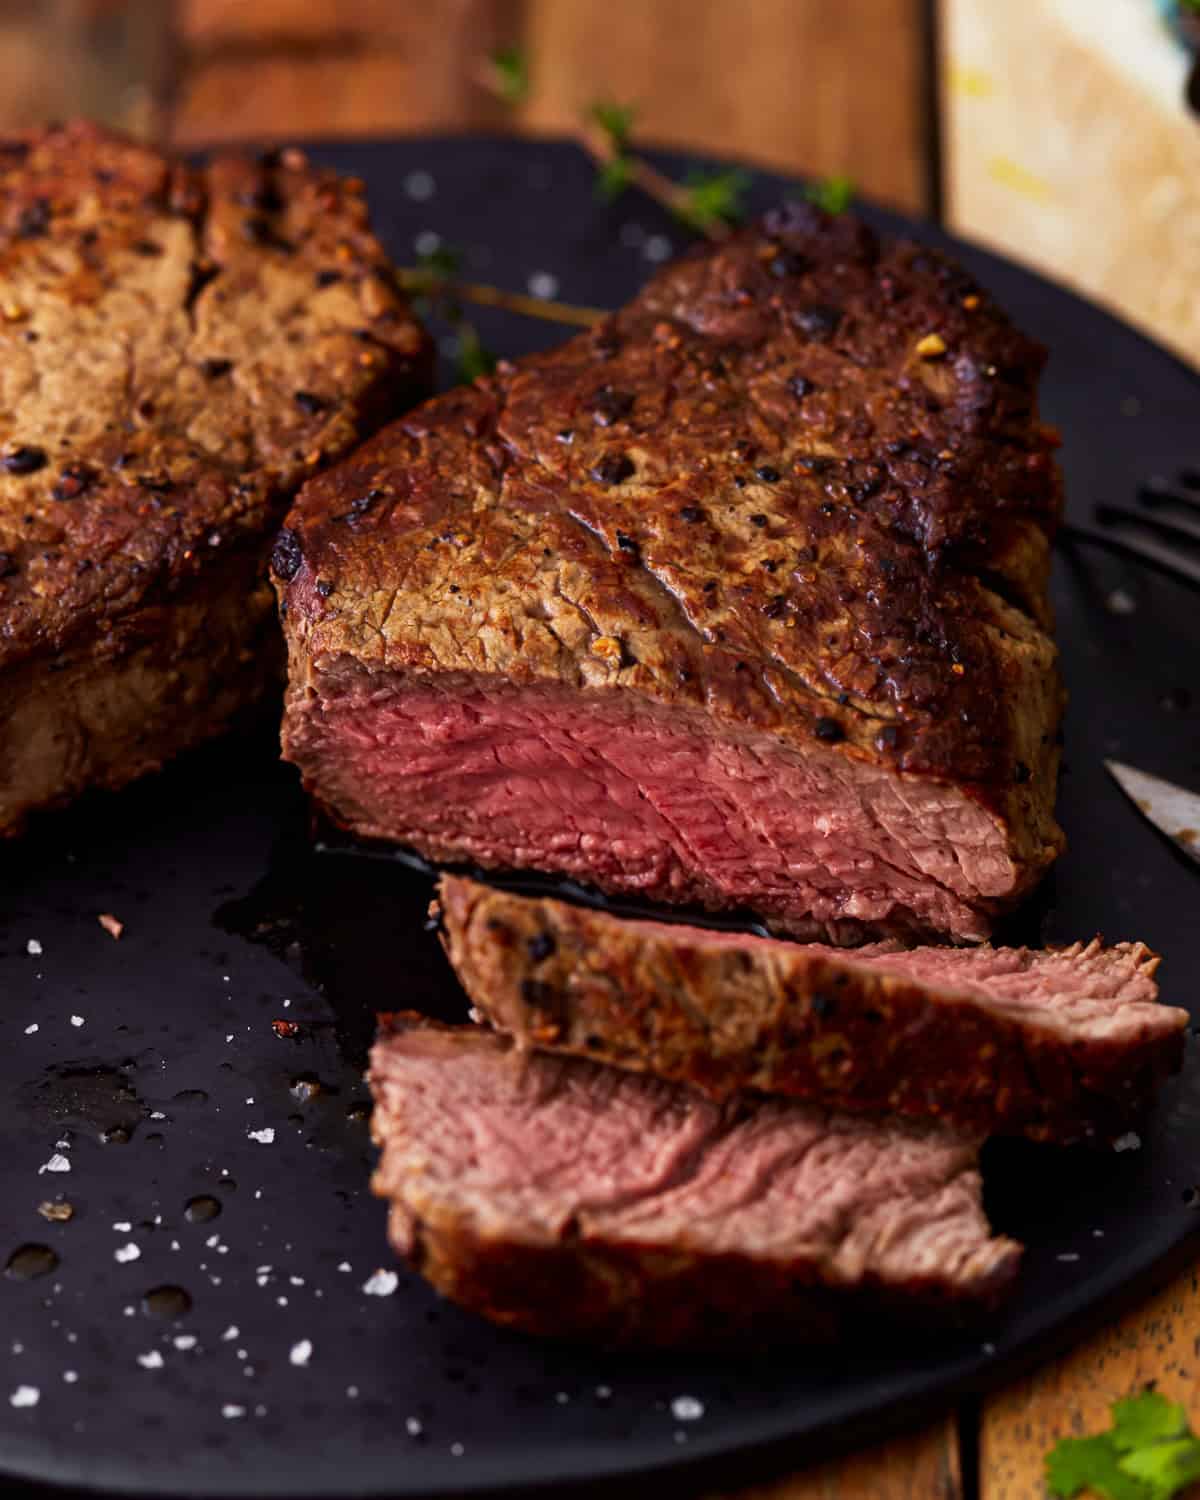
point(713, 196)
point(1148, 1418)
point(1149, 1453)
point(510, 69)
point(833, 194)
point(1090, 1463)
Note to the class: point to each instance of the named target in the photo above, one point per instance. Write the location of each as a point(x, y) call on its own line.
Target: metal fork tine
point(1176, 530)
point(1143, 549)
point(1162, 492)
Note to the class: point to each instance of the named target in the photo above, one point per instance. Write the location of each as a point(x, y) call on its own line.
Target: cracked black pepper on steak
point(166, 385)
point(816, 680)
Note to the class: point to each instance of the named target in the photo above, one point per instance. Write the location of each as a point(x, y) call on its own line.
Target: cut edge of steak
point(562, 1198)
point(738, 599)
point(182, 347)
point(1060, 1044)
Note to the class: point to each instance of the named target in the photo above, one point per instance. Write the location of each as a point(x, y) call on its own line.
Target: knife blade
point(1172, 809)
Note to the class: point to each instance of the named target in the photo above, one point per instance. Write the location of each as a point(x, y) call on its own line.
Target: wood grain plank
point(920, 1466)
point(797, 84)
point(1156, 1342)
point(358, 67)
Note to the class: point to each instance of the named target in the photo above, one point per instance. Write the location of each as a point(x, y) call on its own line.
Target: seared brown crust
point(783, 1018)
point(179, 348)
point(762, 490)
point(619, 1293)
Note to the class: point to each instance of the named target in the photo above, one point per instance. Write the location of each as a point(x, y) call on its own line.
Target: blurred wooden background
point(799, 84)
point(1054, 130)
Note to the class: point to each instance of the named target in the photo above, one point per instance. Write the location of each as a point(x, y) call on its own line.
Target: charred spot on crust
point(287, 555)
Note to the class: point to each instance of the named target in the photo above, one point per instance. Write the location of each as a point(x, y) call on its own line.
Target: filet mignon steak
point(179, 348)
point(564, 1198)
point(737, 599)
point(1062, 1044)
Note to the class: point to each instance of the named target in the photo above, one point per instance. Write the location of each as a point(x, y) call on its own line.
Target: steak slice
point(738, 599)
point(560, 1197)
point(1058, 1045)
point(179, 348)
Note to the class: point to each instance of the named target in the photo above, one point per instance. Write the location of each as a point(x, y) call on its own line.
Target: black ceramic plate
point(151, 1068)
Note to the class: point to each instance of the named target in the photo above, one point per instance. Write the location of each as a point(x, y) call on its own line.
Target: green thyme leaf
point(613, 177)
point(511, 69)
point(714, 196)
point(616, 120)
point(833, 194)
point(1148, 1418)
point(473, 359)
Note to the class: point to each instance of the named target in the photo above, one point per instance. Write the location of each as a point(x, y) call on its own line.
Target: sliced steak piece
point(179, 348)
point(564, 1198)
point(1059, 1045)
point(738, 599)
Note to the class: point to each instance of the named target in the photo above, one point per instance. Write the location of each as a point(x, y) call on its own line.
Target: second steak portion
point(1062, 1044)
point(738, 599)
point(180, 348)
point(576, 1201)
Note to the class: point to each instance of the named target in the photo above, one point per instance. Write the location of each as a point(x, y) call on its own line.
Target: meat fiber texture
point(179, 348)
point(738, 599)
point(1063, 1044)
point(559, 1197)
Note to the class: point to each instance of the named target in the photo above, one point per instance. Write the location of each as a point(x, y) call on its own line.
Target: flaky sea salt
point(264, 1136)
point(687, 1409)
point(381, 1284)
point(125, 1253)
point(301, 1353)
point(152, 1360)
point(25, 1395)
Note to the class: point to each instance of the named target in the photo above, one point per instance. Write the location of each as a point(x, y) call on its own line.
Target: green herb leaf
point(1149, 1453)
point(713, 196)
point(833, 194)
point(613, 177)
point(1090, 1463)
point(1164, 1468)
point(510, 67)
point(616, 120)
point(473, 359)
point(1148, 1418)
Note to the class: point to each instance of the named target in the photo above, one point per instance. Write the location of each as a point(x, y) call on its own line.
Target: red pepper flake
point(286, 1030)
point(112, 925)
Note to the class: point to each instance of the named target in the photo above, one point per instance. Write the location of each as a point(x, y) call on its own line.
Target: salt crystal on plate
point(1130, 1141)
point(230, 1333)
point(229, 1411)
point(34, 949)
point(25, 1395)
point(125, 1253)
point(31, 1028)
point(151, 1361)
point(57, 1163)
point(70, 1376)
point(381, 1284)
point(184, 1341)
point(76, 1020)
point(264, 1136)
point(301, 1353)
point(687, 1409)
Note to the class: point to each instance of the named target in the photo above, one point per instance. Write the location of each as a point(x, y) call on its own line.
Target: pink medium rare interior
point(557, 1142)
point(611, 789)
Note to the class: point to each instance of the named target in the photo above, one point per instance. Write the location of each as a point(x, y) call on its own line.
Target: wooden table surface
point(805, 85)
